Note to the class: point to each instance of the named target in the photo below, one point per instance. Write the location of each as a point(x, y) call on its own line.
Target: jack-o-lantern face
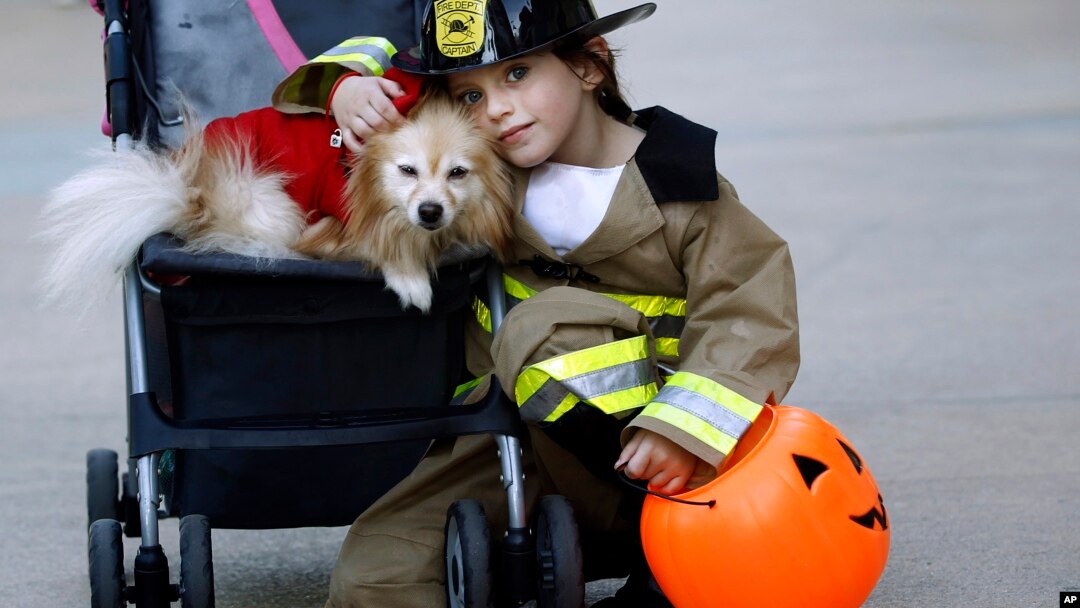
point(797, 520)
point(875, 518)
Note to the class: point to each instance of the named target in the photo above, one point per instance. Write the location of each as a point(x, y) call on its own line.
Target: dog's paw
point(411, 289)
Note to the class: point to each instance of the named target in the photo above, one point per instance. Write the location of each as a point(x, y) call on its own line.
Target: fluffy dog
point(432, 183)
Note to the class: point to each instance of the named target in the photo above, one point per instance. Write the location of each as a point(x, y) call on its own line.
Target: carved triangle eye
point(809, 468)
point(855, 460)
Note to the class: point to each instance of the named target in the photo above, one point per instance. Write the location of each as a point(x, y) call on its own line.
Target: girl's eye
point(517, 73)
point(471, 97)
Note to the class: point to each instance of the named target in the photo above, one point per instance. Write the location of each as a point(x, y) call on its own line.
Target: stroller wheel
point(196, 563)
point(469, 579)
point(559, 563)
point(102, 486)
point(106, 565)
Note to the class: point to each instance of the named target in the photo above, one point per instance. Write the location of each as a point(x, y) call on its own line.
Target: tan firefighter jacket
point(713, 282)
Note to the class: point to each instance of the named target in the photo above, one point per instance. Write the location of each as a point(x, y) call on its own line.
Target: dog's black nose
point(430, 212)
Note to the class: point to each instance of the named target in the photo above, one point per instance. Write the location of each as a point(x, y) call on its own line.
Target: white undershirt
point(565, 203)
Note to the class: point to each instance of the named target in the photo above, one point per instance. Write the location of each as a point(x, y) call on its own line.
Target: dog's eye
point(458, 172)
point(407, 170)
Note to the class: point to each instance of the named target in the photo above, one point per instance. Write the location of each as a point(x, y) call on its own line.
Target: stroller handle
point(118, 71)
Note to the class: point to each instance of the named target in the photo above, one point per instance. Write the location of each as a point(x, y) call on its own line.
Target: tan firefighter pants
point(392, 556)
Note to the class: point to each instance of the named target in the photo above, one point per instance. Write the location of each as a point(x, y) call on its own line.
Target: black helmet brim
point(409, 60)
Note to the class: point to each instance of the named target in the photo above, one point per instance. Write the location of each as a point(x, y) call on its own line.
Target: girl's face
point(535, 106)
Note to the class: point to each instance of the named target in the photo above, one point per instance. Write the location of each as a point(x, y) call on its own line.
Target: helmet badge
point(459, 26)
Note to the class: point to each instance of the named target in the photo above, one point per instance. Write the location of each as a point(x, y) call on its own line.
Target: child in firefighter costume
point(651, 314)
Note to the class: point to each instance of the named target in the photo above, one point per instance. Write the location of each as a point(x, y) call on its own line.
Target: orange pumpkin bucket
point(796, 520)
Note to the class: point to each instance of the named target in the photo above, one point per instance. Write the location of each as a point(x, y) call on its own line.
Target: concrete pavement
point(921, 159)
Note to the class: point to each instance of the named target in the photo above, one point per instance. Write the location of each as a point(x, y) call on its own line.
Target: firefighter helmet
point(459, 35)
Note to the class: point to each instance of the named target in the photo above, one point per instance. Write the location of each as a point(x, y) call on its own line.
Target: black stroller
point(256, 387)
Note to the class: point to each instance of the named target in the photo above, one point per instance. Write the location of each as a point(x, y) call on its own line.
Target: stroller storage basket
point(257, 345)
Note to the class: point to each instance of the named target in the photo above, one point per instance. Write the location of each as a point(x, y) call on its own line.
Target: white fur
point(411, 284)
point(96, 221)
point(249, 210)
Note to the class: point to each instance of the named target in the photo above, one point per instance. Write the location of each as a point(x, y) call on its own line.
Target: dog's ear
point(363, 199)
point(495, 218)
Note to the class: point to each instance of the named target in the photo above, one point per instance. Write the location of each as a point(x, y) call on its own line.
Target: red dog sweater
point(306, 147)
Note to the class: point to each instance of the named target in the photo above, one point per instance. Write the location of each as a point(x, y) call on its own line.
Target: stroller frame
point(150, 433)
point(555, 559)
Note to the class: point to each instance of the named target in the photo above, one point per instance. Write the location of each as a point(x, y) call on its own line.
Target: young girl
point(651, 313)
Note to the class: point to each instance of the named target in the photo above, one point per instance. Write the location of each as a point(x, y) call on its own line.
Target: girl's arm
point(361, 106)
point(739, 348)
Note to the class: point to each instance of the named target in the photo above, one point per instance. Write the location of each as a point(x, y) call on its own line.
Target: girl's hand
point(667, 466)
point(363, 106)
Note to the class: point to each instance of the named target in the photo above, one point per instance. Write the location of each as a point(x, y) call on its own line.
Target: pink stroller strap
point(280, 41)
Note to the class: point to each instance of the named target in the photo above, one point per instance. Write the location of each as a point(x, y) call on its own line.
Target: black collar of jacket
point(677, 158)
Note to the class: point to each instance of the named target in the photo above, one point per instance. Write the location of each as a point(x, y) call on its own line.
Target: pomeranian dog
point(433, 183)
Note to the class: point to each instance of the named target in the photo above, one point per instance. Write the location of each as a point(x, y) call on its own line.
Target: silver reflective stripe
point(610, 379)
point(589, 385)
point(544, 401)
point(376, 53)
point(701, 406)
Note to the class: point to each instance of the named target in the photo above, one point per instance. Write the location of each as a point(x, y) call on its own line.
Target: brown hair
point(608, 95)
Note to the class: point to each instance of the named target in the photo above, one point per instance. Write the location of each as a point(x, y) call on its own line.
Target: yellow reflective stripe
point(594, 358)
point(667, 346)
point(308, 87)
point(568, 402)
point(483, 313)
point(363, 59)
point(516, 288)
point(529, 381)
point(711, 412)
point(545, 400)
point(706, 433)
point(373, 53)
point(716, 392)
point(612, 403)
point(626, 399)
point(466, 386)
point(664, 346)
point(380, 42)
point(652, 306)
point(612, 377)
